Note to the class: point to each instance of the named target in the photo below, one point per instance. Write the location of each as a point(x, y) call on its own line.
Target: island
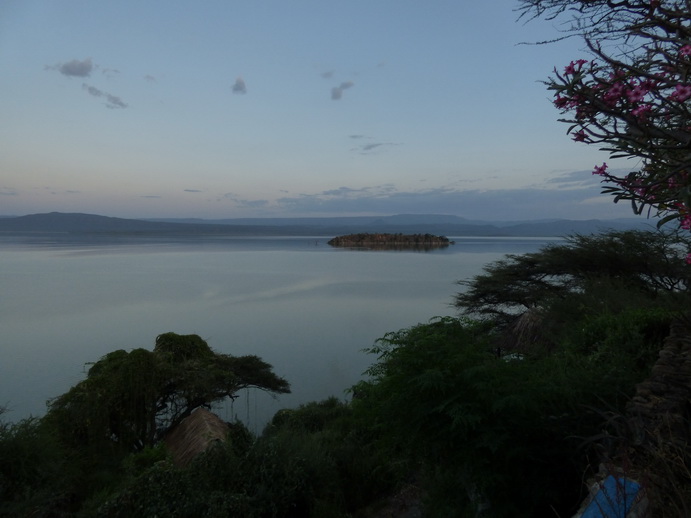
point(391, 241)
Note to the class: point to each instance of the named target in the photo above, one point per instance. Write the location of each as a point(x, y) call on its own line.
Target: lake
point(304, 307)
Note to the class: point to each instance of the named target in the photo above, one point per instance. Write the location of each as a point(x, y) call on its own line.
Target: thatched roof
point(194, 435)
point(525, 334)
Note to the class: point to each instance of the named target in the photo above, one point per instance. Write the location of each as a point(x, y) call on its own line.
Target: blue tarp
point(614, 499)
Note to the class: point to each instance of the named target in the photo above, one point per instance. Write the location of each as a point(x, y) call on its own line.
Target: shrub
point(488, 429)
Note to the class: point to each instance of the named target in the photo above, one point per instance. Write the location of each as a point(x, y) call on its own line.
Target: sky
point(287, 108)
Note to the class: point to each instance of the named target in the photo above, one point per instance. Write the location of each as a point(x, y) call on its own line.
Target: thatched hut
point(194, 435)
point(525, 335)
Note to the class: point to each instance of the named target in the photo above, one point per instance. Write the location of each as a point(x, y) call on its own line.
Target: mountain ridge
point(440, 224)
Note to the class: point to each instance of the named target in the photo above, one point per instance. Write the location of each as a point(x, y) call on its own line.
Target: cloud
point(192, 190)
point(365, 149)
point(342, 191)
point(92, 90)
point(245, 204)
point(150, 78)
point(112, 101)
point(57, 192)
point(110, 72)
point(484, 204)
point(337, 91)
point(328, 74)
point(239, 86)
point(581, 179)
point(75, 68)
point(4, 191)
point(151, 196)
point(573, 179)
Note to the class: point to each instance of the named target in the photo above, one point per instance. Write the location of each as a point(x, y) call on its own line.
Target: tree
point(633, 97)
point(644, 264)
point(131, 399)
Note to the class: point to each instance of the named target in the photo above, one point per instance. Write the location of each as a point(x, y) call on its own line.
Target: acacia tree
point(131, 399)
point(632, 98)
point(647, 264)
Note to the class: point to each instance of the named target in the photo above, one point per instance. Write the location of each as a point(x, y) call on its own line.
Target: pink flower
point(688, 258)
point(642, 111)
point(574, 67)
point(614, 93)
point(580, 136)
point(561, 102)
point(685, 50)
point(681, 93)
point(649, 84)
point(686, 222)
point(566, 103)
point(601, 170)
point(636, 94)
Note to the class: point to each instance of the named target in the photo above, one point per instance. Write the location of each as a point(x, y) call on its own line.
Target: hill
point(446, 225)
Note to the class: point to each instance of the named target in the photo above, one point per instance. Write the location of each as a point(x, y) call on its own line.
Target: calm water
point(302, 306)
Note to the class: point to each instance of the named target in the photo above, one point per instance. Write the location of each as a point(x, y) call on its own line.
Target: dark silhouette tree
point(642, 263)
point(131, 399)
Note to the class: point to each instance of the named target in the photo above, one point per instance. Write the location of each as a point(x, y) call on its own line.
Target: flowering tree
point(632, 97)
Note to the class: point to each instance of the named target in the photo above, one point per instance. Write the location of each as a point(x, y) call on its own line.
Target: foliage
point(630, 339)
point(362, 469)
point(506, 431)
point(130, 399)
point(632, 98)
point(204, 489)
point(35, 471)
point(311, 462)
point(635, 266)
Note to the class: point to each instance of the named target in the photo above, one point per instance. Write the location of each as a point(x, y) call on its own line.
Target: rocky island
point(391, 241)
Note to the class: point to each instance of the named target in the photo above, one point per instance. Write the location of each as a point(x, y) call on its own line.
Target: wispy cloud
point(239, 87)
point(112, 101)
point(337, 91)
point(110, 72)
point(192, 190)
point(151, 196)
point(365, 149)
point(573, 179)
point(244, 203)
point(150, 78)
point(4, 191)
point(369, 147)
point(61, 192)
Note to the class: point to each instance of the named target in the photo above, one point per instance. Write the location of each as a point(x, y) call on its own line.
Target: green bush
point(210, 487)
point(36, 472)
point(492, 429)
point(319, 460)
